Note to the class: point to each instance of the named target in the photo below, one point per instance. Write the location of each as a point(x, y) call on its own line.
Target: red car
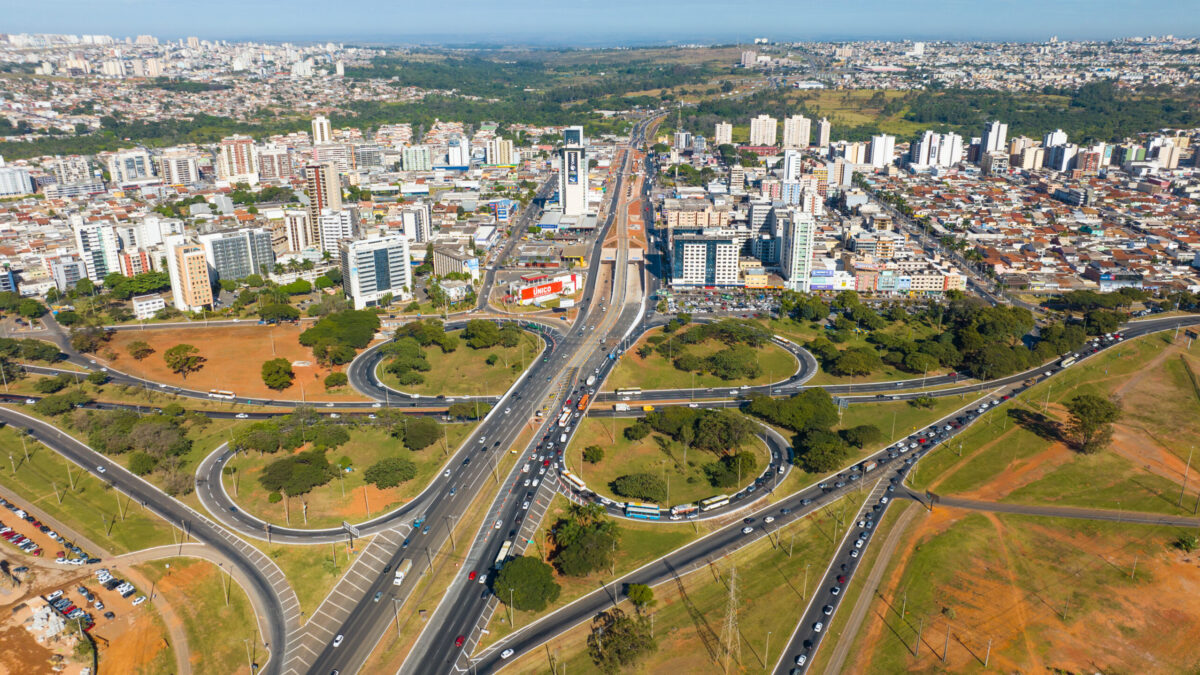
point(841, 578)
point(471, 576)
point(458, 641)
point(545, 462)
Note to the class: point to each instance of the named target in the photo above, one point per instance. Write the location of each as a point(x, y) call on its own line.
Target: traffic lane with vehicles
point(258, 569)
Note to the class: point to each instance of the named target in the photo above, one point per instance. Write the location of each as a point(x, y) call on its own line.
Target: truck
point(591, 380)
point(401, 571)
point(621, 407)
point(869, 466)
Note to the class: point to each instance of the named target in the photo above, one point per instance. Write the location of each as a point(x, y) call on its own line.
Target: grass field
point(465, 372)
point(684, 473)
point(216, 631)
point(657, 372)
point(90, 507)
point(311, 570)
point(347, 498)
point(688, 614)
point(1040, 591)
point(1008, 455)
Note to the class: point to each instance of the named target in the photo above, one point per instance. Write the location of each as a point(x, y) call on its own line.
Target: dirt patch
point(234, 357)
point(134, 644)
point(1022, 472)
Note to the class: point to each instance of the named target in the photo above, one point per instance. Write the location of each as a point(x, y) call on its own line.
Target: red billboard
point(541, 290)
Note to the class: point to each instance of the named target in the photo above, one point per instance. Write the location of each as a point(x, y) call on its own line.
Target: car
point(109, 615)
point(827, 610)
point(769, 519)
point(506, 653)
point(507, 410)
point(835, 590)
point(784, 511)
point(30, 401)
point(482, 578)
point(802, 659)
point(100, 469)
point(747, 530)
point(241, 416)
point(329, 405)
point(841, 579)
point(405, 544)
point(446, 473)
point(458, 641)
point(883, 500)
point(472, 575)
point(337, 641)
point(139, 600)
point(525, 506)
point(452, 491)
point(818, 627)
point(54, 596)
point(853, 553)
point(496, 525)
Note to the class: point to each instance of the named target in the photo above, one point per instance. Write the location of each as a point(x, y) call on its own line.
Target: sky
point(604, 23)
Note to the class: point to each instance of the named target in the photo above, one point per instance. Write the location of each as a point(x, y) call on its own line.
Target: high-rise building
point(238, 254)
point(417, 220)
point(321, 131)
point(135, 261)
point(191, 287)
point(237, 161)
point(792, 164)
point(338, 154)
point(799, 230)
point(762, 130)
point(573, 173)
point(296, 230)
point(723, 134)
point(66, 270)
point(72, 169)
point(335, 226)
point(704, 260)
point(179, 167)
point(883, 147)
point(824, 128)
point(372, 268)
point(797, 131)
point(416, 158)
point(500, 152)
point(274, 162)
point(994, 136)
point(323, 188)
point(458, 152)
point(749, 59)
point(1061, 157)
point(98, 246)
point(1056, 137)
point(934, 149)
point(130, 167)
point(737, 178)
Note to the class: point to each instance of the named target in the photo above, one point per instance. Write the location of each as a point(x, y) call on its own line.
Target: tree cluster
point(585, 541)
point(526, 582)
point(336, 337)
point(298, 474)
point(618, 641)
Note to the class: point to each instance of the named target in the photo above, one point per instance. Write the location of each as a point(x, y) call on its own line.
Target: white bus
point(217, 393)
point(504, 549)
point(713, 502)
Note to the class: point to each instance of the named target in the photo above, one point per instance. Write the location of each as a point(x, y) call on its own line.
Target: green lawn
point(342, 499)
point(658, 372)
point(684, 470)
point(89, 508)
point(216, 631)
point(465, 372)
point(311, 570)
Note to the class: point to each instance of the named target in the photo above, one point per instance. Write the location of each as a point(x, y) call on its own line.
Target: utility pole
point(729, 633)
point(396, 615)
point(988, 656)
point(1186, 470)
point(946, 648)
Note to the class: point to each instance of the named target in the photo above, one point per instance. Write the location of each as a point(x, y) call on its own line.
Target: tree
point(590, 548)
point(30, 308)
point(1091, 421)
point(139, 349)
point(278, 312)
point(646, 486)
point(641, 595)
point(618, 641)
point(528, 583)
point(390, 472)
point(183, 359)
point(142, 463)
point(593, 454)
point(51, 385)
point(421, 433)
point(637, 431)
point(68, 318)
point(862, 435)
point(89, 340)
point(97, 377)
point(277, 374)
point(335, 380)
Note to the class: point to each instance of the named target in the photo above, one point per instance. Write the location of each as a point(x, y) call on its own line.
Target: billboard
point(572, 168)
point(541, 290)
point(821, 287)
point(822, 273)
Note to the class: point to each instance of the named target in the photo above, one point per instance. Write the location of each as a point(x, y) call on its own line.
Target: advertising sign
point(541, 290)
point(573, 168)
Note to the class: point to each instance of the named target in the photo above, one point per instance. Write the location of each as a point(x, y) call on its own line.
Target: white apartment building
point(98, 246)
point(372, 268)
point(321, 131)
point(763, 130)
point(796, 257)
point(334, 226)
point(797, 131)
point(723, 135)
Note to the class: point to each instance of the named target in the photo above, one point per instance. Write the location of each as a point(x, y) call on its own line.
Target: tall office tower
point(130, 166)
point(500, 152)
point(573, 173)
point(296, 230)
point(323, 188)
point(321, 131)
point(416, 158)
point(372, 268)
point(792, 164)
point(1056, 137)
point(1061, 157)
point(823, 130)
point(796, 258)
point(924, 149)
point(98, 245)
point(458, 152)
point(274, 162)
point(236, 160)
point(417, 220)
point(882, 148)
point(797, 131)
point(683, 140)
point(191, 287)
point(704, 260)
point(724, 134)
point(762, 130)
point(238, 254)
point(336, 226)
point(179, 167)
point(737, 178)
point(72, 169)
point(950, 150)
point(994, 136)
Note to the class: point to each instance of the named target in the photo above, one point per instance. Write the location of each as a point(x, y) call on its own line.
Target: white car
point(506, 653)
point(100, 469)
point(376, 405)
point(338, 640)
point(241, 416)
point(769, 519)
point(747, 530)
point(818, 626)
point(139, 600)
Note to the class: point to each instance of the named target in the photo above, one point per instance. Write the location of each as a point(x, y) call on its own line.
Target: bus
point(217, 393)
point(564, 418)
point(783, 339)
point(642, 511)
point(684, 509)
point(401, 571)
point(713, 502)
point(1067, 361)
point(573, 479)
point(503, 555)
point(629, 392)
point(583, 402)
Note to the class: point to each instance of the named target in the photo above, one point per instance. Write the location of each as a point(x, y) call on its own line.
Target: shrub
point(646, 486)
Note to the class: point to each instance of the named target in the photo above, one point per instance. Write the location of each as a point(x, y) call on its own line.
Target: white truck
point(401, 571)
point(621, 407)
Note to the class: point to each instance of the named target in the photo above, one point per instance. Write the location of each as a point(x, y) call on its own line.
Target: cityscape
point(739, 355)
